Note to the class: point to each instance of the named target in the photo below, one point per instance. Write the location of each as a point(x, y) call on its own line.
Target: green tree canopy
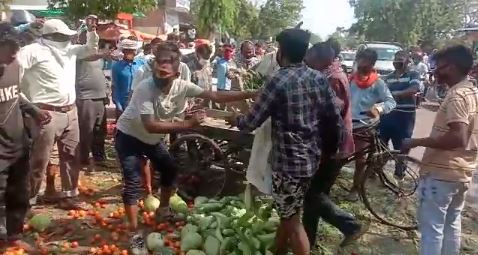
point(210, 15)
point(407, 21)
point(106, 9)
point(276, 15)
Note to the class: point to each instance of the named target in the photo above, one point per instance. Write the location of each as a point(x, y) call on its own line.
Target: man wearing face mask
point(450, 155)
point(49, 67)
point(222, 67)
point(306, 124)
point(370, 98)
point(122, 74)
point(145, 122)
point(399, 124)
point(247, 56)
point(198, 59)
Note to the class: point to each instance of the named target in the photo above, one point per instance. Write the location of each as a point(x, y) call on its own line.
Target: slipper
point(70, 204)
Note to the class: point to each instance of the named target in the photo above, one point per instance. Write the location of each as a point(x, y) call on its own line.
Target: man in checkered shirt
point(305, 124)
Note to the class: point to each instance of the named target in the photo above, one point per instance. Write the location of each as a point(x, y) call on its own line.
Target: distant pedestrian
point(122, 74)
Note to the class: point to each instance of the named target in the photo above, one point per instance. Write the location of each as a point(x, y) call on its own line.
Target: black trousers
point(317, 203)
point(14, 196)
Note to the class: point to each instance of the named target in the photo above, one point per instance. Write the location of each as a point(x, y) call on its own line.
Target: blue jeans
point(131, 153)
point(397, 126)
point(439, 215)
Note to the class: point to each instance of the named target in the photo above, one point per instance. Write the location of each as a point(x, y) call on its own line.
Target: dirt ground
point(103, 198)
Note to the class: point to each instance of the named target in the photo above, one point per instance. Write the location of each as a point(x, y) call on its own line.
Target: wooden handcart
point(212, 160)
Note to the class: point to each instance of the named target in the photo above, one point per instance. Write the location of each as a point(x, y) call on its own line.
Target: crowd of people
point(54, 92)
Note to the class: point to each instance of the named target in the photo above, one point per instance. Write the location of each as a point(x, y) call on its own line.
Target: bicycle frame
point(376, 153)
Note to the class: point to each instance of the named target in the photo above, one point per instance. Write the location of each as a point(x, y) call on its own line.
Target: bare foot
point(27, 248)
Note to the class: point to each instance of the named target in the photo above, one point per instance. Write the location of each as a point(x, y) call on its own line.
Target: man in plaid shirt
point(305, 124)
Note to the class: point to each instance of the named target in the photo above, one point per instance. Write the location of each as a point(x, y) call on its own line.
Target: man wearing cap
point(122, 74)
point(306, 124)
point(49, 67)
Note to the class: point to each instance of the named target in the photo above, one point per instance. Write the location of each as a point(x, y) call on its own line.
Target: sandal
point(70, 204)
point(165, 214)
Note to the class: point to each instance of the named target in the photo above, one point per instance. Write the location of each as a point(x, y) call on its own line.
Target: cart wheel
point(202, 168)
point(236, 159)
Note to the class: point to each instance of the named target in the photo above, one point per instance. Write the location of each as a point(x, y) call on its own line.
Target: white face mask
point(57, 45)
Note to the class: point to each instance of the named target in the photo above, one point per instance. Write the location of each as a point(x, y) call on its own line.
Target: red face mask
point(228, 54)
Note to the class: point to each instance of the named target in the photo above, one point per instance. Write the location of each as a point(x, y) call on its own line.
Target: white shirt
point(148, 99)
point(45, 80)
point(421, 68)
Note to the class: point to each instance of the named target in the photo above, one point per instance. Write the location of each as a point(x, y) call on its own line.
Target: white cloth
point(48, 76)
point(148, 99)
point(259, 171)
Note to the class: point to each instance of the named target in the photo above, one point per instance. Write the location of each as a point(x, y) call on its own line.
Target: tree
point(315, 38)
point(214, 14)
point(105, 9)
point(407, 21)
point(276, 15)
point(345, 38)
point(245, 21)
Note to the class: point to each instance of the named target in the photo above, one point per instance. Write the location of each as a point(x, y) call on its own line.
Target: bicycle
point(390, 190)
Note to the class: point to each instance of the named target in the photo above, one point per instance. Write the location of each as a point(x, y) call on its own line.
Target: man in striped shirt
point(399, 124)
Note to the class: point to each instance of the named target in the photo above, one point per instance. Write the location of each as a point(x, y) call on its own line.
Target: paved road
point(423, 124)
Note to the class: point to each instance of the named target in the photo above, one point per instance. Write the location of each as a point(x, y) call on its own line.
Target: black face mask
point(398, 65)
point(160, 82)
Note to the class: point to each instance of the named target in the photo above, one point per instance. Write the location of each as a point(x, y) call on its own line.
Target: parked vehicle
point(386, 53)
point(347, 59)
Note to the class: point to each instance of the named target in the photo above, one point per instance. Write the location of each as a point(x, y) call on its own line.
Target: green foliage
point(245, 22)
point(345, 39)
point(275, 15)
point(315, 38)
point(242, 19)
point(214, 14)
point(407, 21)
point(105, 9)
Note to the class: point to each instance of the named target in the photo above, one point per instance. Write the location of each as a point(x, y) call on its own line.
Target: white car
point(347, 58)
point(386, 54)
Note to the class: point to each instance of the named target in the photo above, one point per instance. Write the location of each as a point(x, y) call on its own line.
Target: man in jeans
point(450, 157)
point(142, 127)
point(49, 78)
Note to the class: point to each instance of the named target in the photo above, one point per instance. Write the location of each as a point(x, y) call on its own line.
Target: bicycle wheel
point(393, 202)
point(202, 167)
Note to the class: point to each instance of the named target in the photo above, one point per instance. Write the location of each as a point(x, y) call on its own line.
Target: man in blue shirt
point(222, 67)
point(399, 124)
point(370, 99)
point(122, 75)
